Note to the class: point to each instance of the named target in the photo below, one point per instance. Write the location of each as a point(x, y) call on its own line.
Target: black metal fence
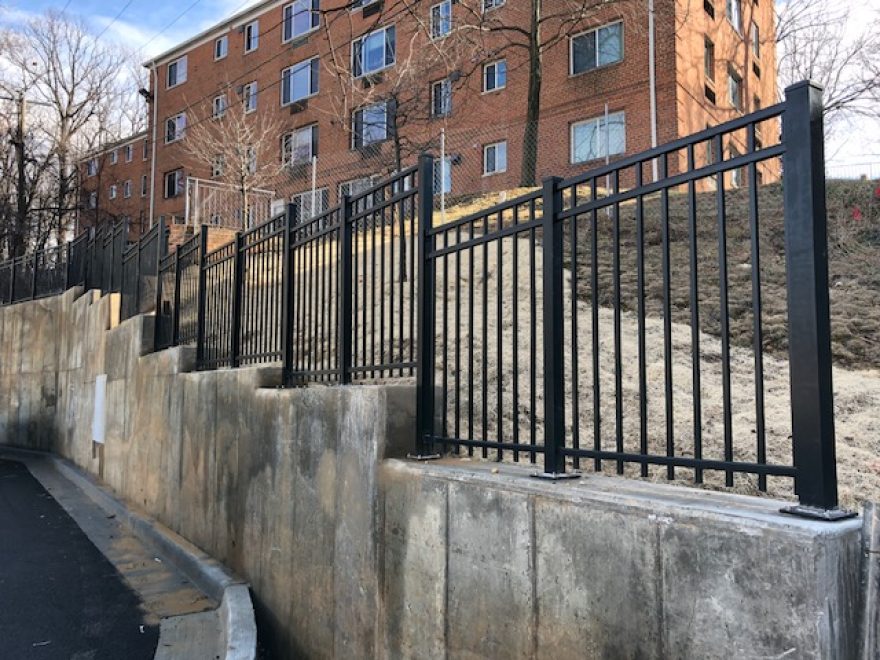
point(537, 328)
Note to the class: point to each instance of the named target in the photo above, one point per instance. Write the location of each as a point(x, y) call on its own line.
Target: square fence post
point(68, 249)
point(34, 280)
point(806, 252)
point(554, 372)
point(175, 303)
point(287, 292)
point(237, 296)
point(200, 313)
point(345, 291)
point(425, 293)
point(12, 280)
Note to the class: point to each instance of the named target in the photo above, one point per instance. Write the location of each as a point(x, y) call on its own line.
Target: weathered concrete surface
point(352, 555)
point(501, 565)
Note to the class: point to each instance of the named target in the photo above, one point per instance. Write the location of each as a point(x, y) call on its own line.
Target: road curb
point(236, 611)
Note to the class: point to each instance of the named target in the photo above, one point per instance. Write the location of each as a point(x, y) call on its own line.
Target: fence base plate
point(556, 476)
point(814, 513)
point(423, 457)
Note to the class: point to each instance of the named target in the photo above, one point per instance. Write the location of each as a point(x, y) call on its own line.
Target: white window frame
point(113, 191)
point(441, 21)
point(314, 23)
point(599, 121)
point(359, 143)
point(180, 65)
point(311, 66)
point(360, 4)
point(595, 32)
point(358, 44)
point(732, 76)
point(219, 106)
point(248, 92)
point(445, 87)
point(322, 199)
point(221, 44)
point(251, 36)
point(709, 71)
point(497, 87)
point(179, 131)
point(93, 200)
point(489, 5)
point(496, 170)
point(92, 167)
point(126, 189)
point(734, 7)
point(178, 183)
point(755, 39)
point(129, 153)
point(288, 144)
point(114, 156)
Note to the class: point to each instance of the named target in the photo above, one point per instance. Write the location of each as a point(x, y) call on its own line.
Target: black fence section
point(525, 336)
point(140, 269)
point(332, 298)
point(44, 273)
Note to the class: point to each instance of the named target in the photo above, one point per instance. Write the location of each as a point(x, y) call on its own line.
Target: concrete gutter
point(235, 616)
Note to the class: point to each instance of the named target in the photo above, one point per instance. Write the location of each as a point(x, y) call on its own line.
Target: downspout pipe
point(652, 76)
point(154, 77)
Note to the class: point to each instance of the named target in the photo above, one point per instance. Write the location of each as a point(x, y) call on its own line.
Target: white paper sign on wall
point(99, 418)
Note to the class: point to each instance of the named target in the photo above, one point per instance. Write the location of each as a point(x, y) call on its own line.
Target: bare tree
point(828, 42)
point(238, 147)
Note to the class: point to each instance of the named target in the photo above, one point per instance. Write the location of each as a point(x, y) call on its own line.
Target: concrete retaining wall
point(353, 554)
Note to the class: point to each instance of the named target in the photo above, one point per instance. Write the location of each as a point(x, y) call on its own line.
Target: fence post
point(200, 313)
point(426, 294)
point(175, 302)
point(237, 295)
point(345, 291)
point(809, 342)
point(137, 278)
point(69, 250)
point(34, 275)
point(12, 281)
point(287, 291)
point(554, 373)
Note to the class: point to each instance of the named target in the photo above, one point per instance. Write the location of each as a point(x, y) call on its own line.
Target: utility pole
point(17, 246)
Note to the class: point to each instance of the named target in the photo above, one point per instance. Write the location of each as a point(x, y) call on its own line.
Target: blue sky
point(148, 25)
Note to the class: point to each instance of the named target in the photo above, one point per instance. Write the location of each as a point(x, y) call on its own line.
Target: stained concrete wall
point(352, 553)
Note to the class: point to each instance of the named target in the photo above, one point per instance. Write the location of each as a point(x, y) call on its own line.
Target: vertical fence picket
point(346, 309)
point(425, 296)
point(201, 292)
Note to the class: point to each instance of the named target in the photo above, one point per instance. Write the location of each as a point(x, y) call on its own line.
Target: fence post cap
point(804, 83)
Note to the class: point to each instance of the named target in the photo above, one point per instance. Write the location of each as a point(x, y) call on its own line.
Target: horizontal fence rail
point(611, 320)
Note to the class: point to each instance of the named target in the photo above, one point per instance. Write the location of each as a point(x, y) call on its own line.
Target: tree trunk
point(533, 101)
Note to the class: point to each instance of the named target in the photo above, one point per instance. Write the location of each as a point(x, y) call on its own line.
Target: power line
point(115, 18)
point(165, 29)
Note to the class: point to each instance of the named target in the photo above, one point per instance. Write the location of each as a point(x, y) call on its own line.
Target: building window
point(126, 189)
point(308, 204)
point(362, 3)
point(176, 72)
point(596, 48)
point(709, 61)
point(114, 157)
point(251, 155)
point(357, 187)
point(441, 98)
point(113, 191)
point(370, 124)
point(300, 146)
point(734, 89)
point(144, 185)
point(219, 106)
point(441, 19)
point(494, 75)
point(221, 48)
point(146, 150)
point(251, 36)
point(249, 96)
point(93, 200)
point(734, 14)
point(495, 158)
point(218, 166)
point(756, 41)
point(443, 176)
point(92, 167)
point(175, 128)
point(492, 4)
point(709, 8)
point(736, 175)
point(373, 52)
point(300, 17)
point(595, 138)
point(129, 153)
point(299, 81)
point(174, 184)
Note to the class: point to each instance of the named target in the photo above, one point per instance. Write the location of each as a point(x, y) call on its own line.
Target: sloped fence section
point(514, 319)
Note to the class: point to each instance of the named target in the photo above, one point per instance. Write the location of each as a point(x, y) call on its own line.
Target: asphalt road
point(59, 596)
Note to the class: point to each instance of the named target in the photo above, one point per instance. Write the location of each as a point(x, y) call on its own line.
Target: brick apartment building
point(342, 83)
